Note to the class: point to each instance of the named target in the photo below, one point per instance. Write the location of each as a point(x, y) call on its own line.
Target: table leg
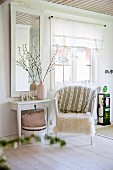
point(19, 122)
point(48, 121)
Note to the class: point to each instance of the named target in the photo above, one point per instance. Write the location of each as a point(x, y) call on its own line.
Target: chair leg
point(91, 140)
point(56, 135)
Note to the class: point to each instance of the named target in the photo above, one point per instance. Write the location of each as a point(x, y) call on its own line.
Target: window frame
point(74, 72)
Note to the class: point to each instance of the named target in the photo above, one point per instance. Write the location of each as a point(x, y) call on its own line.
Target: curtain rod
point(80, 21)
point(69, 46)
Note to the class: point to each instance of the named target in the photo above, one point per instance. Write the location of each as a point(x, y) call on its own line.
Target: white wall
point(7, 118)
point(105, 58)
point(8, 125)
point(106, 63)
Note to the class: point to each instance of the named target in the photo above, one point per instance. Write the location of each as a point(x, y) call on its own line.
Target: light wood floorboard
point(78, 154)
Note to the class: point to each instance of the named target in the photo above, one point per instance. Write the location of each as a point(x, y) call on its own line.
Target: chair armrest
point(93, 103)
point(56, 106)
point(56, 103)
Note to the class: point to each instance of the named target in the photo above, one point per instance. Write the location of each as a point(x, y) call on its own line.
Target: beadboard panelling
point(100, 6)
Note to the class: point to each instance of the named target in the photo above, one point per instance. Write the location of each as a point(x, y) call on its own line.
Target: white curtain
point(77, 34)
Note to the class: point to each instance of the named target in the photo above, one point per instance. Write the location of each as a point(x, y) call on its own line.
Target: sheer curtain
point(77, 34)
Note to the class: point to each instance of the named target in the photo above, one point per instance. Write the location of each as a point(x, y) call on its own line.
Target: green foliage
point(4, 167)
point(3, 164)
point(14, 144)
point(56, 140)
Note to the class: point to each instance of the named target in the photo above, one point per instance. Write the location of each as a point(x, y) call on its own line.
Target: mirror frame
point(14, 8)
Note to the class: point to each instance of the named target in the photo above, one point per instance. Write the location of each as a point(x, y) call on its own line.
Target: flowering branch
point(22, 62)
point(31, 62)
point(38, 63)
point(51, 65)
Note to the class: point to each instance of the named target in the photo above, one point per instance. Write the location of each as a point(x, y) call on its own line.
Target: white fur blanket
point(75, 123)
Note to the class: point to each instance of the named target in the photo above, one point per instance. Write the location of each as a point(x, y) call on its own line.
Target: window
point(78, 44)
point(63, 66)
point(84, 65)
point(72, 65)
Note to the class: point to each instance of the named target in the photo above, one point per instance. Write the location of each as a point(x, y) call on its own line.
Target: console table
point(19, 106)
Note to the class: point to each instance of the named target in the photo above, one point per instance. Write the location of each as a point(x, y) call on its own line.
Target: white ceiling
point(99, 6)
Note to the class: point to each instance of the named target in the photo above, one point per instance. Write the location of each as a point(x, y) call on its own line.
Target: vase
point(42, 91)
point(33, 88)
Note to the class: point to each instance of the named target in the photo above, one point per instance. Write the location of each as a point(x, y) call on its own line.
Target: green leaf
point(4, 167)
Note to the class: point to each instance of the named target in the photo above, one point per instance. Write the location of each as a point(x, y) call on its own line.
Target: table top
point(31, 101)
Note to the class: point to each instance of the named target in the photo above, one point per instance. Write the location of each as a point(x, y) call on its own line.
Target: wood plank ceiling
point(27, 19)
point(99, 6)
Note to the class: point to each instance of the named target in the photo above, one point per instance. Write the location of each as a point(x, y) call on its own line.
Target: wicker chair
point(74, 110)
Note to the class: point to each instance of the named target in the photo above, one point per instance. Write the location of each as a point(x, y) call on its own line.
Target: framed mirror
point(26, 27)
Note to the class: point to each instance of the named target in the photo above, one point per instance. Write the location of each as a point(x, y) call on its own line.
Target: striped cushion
point(75, 99)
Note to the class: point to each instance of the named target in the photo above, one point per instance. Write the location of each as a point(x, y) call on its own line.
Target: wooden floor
point(78, 154)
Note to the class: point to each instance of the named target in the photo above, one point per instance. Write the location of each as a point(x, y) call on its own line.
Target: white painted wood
point(91, 140)
point(21, 9)
point(99, 6)
point(19, 122)
point(19, 106)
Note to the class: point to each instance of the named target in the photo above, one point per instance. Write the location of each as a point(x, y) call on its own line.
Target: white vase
point(42, 91)
point(33, 88)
